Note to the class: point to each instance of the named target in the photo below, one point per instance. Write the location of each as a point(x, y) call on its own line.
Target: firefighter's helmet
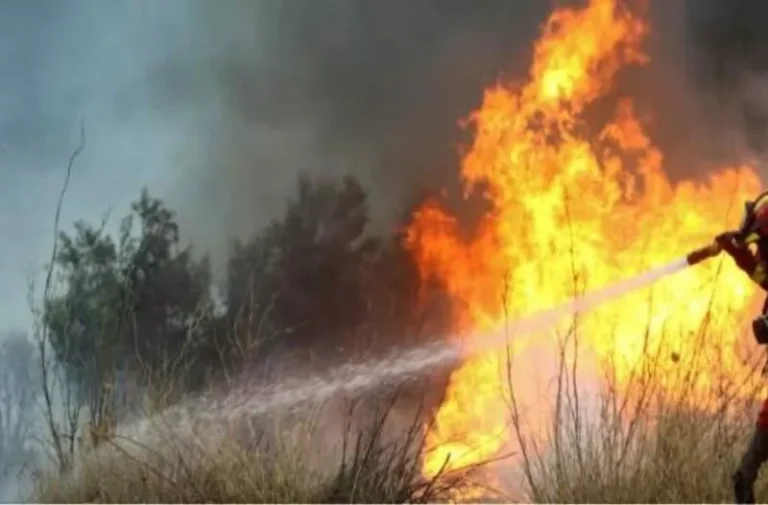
point(754, 224)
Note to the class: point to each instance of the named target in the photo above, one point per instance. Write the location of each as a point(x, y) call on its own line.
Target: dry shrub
point(637, 442)
point(330, 456)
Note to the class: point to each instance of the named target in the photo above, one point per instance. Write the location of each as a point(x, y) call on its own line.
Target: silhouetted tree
point(315, 279)
point(318, 279)
point(304, 273)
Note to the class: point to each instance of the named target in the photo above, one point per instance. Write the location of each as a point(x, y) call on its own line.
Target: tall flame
point(572, 209)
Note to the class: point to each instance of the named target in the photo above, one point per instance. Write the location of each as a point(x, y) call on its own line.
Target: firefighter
point(752, 233)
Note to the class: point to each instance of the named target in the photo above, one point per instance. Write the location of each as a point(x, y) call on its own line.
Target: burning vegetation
point(573, 206)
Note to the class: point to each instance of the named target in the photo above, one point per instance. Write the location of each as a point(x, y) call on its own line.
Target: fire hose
point(703, 253)
point(754, 212)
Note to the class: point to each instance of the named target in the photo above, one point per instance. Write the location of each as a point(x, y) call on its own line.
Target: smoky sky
point(377, 88)
point(217, 106)
point(731, 59)
point(373, 88)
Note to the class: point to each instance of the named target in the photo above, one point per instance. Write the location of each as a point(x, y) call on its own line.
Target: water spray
point(360, 376)
point(355, 378)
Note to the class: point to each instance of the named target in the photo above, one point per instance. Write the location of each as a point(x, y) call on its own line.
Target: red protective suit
point(762, 417)
point(757, 453)
point(755, 266)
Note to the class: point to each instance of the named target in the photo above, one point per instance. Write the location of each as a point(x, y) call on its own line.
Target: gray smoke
point(731, 61)
point(377, 88)
point(219, 107)
point(372, 88)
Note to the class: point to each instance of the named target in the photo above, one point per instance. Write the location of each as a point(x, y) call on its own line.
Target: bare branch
point(41, 333)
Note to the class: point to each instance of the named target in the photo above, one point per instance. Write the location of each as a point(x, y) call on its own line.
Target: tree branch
point(42, 331)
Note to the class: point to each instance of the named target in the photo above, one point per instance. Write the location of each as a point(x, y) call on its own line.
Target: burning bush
point(575, 206)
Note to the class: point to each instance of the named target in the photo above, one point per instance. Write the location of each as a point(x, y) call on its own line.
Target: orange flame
point(571, 211)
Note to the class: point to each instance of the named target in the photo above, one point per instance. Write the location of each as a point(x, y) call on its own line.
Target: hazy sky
point(217, 105)
point(59, 61)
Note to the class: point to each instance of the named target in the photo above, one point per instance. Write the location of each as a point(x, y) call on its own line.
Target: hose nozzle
point(702, 254)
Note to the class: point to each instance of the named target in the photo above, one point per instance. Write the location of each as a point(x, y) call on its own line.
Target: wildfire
point(573, 209)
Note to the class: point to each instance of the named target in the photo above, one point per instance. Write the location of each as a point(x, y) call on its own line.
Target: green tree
point(131, 305)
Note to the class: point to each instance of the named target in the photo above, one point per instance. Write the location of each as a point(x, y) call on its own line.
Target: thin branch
point(42, 333)
point(57, 218)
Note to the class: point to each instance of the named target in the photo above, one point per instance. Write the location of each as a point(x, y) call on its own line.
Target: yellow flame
point(573, 211)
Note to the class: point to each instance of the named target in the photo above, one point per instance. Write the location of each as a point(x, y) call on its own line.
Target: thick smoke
point(372, 88)
point(377, 89)
point(730, 62)
point(219, 105)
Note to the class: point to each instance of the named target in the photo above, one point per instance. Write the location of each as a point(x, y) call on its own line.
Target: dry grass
point(641, 445)
point(327, 457)
point(680, 460)
point(651, 450)
point(637, 442)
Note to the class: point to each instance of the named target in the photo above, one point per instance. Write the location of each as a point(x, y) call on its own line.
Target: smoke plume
point(731, 60)
point(218, 108)
point(378, 88)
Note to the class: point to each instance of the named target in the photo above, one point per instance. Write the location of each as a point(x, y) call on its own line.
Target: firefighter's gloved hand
point(729, 242)
point(727, 239)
